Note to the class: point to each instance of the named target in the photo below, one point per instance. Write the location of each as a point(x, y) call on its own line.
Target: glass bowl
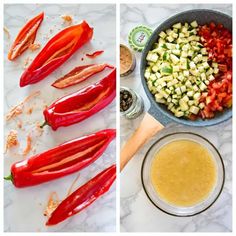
point(178, 210)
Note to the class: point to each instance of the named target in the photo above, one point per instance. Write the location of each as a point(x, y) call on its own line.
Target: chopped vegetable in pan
point(181, 68)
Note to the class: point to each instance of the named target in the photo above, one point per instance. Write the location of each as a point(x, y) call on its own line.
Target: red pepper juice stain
point(94, 54)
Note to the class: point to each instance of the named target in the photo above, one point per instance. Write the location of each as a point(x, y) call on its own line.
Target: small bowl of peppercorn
point(131, 104)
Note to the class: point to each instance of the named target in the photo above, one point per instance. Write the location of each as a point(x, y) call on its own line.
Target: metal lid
point(138, 37)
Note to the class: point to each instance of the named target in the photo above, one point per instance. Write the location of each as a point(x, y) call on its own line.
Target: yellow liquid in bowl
point(183, 173)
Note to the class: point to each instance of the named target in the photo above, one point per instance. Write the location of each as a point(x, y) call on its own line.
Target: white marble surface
point(137, 212)
point(23, 208)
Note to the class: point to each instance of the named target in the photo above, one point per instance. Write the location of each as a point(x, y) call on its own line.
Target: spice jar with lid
point(131, 104)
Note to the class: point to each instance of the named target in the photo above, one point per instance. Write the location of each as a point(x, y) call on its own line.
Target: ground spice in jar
point(126, 100)
point(127, 60)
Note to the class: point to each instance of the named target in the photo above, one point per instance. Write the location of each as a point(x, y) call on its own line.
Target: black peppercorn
point(125, 100)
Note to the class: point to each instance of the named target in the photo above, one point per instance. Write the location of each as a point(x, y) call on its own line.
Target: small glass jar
point(127, 61)
point(137, 106)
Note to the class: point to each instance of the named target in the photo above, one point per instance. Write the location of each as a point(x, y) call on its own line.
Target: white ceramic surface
point(137, 212)
point(23, 208)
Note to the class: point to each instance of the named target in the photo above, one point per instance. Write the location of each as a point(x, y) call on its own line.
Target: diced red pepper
point(25, 37)
point(83, 196)
point(218, 41)
point(79, 74)
point(56, 52)
point(62, 160)
point(82, 104)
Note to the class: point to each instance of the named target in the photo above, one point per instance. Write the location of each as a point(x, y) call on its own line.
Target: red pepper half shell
point(62, 160)
point(84, 196)
point(56, 52)
point(25, 37)
point(82, 104)
point(79, 74)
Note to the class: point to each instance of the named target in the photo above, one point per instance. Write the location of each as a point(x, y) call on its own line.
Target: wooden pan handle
point(149, 126)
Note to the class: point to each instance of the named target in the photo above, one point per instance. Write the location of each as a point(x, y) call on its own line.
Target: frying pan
point(157, 117)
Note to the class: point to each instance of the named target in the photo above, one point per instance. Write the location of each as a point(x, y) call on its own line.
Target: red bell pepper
point(62, 160)
point(79, 74)
point(218, 41)
point(82, 104)
point(25, 37)
point(83, 196)
point(56, 52)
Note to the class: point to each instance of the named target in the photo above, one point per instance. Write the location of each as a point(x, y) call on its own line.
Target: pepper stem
point(9, 177)
point(44, 123)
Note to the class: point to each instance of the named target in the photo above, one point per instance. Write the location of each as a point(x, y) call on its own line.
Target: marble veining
point(137, 212)
point(23, 208)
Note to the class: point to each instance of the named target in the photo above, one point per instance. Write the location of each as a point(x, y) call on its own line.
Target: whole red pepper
point(79, 74)
point(25, 37)
point(62, 160)
point(80, 105)
point(83, 196)
point(56, 52)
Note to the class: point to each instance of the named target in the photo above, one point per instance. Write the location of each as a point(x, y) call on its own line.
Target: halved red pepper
point(25, 37)
point(56, 52)
point(62, 160)
point(82, 104)
point(79, 74)
point(83, 196)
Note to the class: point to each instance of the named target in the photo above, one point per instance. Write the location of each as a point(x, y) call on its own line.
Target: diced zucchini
point(196, 96)
point(170, 39)
point(216, 70)
point(183, 105)
point(155, 68)
point(147, 74)
point(194, 24)
point(166, 56)
point(192, 65)
point(186, 73)
point(176, 52)
point(202, 86)
point(177, 26)
point(188, 84)
point(166, 70)
point(179, 113)
point(183, 88)
point(195, 88)
point(211, 78)
point(178, 71)
point(185, 98)
point(201, 105)
point(190, 93)
point(153, 57)
point(204, 51)
point(214, 64)
point(153, 77)
point(194, 110)
point(205, 65)
point(174, 58)
point(178, 91)
point(162, 34)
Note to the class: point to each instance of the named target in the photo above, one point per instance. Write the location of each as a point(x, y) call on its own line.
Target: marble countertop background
point(137, 212)
point(23, 208)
